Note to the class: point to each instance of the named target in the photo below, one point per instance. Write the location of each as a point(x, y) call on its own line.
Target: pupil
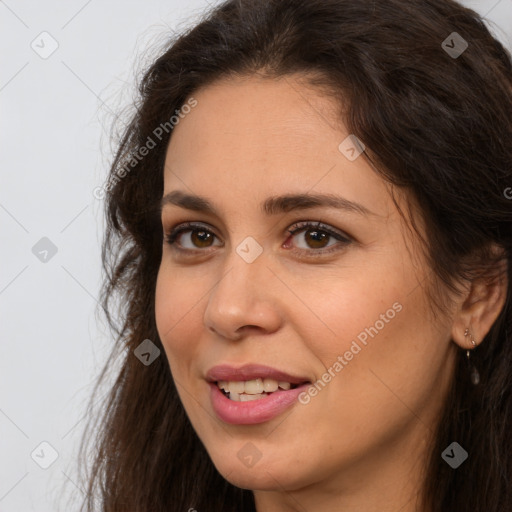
point(203, 236)
point(318, 236)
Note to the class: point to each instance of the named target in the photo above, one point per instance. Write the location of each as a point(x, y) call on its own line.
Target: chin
point(260, 477)
point(255, 480)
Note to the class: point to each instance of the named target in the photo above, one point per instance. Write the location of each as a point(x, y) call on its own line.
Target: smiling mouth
point(256, 389)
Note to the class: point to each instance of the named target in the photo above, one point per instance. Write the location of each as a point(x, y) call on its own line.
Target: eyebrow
point(271, 206)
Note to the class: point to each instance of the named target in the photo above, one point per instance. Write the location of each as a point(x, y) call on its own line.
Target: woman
point(310, 235)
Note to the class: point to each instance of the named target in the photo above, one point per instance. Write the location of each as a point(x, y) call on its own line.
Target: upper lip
point(226, 372)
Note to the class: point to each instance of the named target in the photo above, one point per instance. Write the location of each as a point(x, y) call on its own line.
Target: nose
point(244, 300)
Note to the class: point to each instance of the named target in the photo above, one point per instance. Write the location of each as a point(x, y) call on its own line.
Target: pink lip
point(254, 411)
point(250, 372)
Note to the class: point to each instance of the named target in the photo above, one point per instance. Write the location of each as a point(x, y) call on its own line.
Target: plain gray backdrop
point(67, 69)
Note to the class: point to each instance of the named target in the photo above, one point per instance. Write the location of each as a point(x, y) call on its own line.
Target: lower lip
point(254, 411)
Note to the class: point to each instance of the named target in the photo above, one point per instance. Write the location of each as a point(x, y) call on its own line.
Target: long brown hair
point(435, 123)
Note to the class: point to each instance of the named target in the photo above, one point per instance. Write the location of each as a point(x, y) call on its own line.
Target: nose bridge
point(245, 270)
point(242, 296)
point(239, 288)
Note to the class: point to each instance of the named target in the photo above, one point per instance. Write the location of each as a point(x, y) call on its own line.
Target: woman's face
point(341, 306)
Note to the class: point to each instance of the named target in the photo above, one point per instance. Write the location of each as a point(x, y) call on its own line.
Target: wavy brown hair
point(438, 126)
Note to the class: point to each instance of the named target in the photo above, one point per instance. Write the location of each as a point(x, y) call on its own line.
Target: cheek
point(177, 305)
point(352, 306)
point(384, 363)
point(375, 340)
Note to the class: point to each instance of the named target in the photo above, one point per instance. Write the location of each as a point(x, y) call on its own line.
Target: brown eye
point(316, 240)
point(200, 237)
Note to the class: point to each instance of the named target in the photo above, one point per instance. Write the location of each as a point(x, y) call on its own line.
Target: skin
point(360, 443)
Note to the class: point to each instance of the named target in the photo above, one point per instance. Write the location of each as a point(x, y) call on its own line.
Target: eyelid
point(343, 239)
point(320, 226)
point(186, 226)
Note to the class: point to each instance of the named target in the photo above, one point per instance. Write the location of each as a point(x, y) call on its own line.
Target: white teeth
point(253, 387)
point(244, 391)
point(248, 398)
point(237, 386)
point(234, 396)
point(270, 385)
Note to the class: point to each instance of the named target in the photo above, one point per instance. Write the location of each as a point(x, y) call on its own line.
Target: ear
point(481, 306)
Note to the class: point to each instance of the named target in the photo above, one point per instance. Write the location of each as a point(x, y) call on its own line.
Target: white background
point(54, 132)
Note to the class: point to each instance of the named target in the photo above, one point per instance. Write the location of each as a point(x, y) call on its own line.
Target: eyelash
point(300, 226)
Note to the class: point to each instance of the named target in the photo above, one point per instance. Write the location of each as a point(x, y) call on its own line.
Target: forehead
point(249, 137)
